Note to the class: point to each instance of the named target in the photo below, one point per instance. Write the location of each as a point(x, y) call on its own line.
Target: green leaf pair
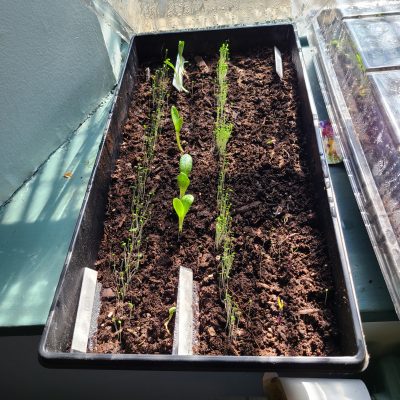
point(181, 207)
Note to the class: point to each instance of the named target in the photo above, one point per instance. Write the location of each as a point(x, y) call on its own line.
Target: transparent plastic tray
point(358, 65)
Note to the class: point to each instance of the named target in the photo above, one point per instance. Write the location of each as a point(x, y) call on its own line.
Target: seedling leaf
point(178, 122)
point(169, 64)
point(185, 164)
point(187, 201)
point(180, 211)
point(178, 206)
point(183, 183)
point(181, 207)
point(280, 304)
point(176, 119)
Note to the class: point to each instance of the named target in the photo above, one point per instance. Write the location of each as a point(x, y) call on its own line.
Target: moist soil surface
point(279, 248)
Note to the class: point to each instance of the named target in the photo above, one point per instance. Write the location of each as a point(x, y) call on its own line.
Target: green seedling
point(232, 315)
point(280, 306)
point(183, 183)
point(360, 62)
point(130, 305)
point(185, 168)
point(222, 90)
point(169, 64)
point(326, 295)
point(222, 68)
point(227, 259)
point(223, 132)
point(335, 42)
point(118, 327)
point(186, 164)
point(132, 254)
point(181, 207)
point(178, 122)
point(171, 313)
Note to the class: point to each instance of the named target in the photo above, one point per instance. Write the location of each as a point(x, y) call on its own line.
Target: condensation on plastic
point(358, 63)
point(146, 16)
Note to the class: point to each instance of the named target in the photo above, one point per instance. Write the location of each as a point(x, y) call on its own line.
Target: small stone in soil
point(107, 293)
point(211, 331)
point(308, 311)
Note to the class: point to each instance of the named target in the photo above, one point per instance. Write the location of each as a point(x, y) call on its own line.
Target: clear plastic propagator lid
point(358, 64)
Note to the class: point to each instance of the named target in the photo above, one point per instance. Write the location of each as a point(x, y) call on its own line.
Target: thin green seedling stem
point(132, 254)
point(232, 315)
point(224, 241)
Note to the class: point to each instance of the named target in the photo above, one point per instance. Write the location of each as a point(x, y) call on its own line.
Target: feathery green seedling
point(223, 234)
point(178, 122)
point(171, 313)
point(224, 220)
point(132, 254)
point(220, 229)
point(181, 207)
point(222, 191)
point(222, 90)
point(227, 259)
point(159, 92)
point(233, 315)
point(223, 132)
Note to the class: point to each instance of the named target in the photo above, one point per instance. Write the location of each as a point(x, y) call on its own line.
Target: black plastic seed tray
point(58, 331)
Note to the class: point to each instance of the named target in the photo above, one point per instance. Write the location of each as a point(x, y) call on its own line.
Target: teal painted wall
point(54, 71)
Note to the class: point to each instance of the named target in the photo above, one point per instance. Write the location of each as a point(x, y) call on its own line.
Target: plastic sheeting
point(165, 15)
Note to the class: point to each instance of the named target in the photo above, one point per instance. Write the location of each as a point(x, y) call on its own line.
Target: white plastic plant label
point(278, 62)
